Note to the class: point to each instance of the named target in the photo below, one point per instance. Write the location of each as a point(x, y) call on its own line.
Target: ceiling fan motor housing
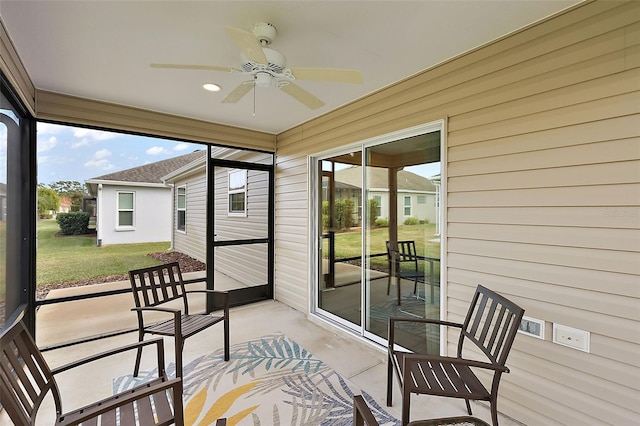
point(277, 62)
point(264, 32)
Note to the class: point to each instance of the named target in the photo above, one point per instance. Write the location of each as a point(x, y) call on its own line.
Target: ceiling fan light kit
point(267, 67)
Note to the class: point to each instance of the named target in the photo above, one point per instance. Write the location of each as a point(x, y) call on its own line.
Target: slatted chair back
point(491, 323)
point(25, 376)
point(163, 284)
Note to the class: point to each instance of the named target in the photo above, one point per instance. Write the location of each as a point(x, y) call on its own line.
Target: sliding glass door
point(379, 235)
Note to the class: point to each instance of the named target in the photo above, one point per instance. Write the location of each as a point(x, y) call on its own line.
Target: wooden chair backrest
point(491, 324)
point(24, 375)
point(157, 285)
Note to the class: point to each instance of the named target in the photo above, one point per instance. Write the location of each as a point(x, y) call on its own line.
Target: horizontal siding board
point(616, 283)
point(70, 109)
point(585, 112)
point(590, 238)
point(608, 196)
point(593, 217)
point(605, 173)
point(575, 257)
point(616, 128)
point(616, 151)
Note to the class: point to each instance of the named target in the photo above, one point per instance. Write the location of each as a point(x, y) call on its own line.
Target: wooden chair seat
point(154, 290)
point(26, 380)
point(442, 378)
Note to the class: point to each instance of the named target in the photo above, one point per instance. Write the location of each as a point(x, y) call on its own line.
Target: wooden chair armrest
point(221, 293)
point(159, 348)
point(362, 415)
point(125, 398)
point(410, 357)
point(157, 308)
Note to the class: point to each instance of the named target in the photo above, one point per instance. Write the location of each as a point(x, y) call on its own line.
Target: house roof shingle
point(152, 172)
point(379, 178)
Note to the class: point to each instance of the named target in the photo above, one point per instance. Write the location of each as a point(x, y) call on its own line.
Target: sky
point(77, 154)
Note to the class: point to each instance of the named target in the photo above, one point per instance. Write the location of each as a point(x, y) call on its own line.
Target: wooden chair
point(403, 264)
point(156, 287)
point(490, 325)
point(26, 380)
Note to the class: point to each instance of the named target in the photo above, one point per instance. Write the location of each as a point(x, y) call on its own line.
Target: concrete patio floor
point(361, 361)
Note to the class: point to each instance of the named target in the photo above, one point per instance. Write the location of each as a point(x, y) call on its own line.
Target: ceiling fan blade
point(248, 44)
point(236, 94)
point(302, 96)
point(328, 74)
point(192, 67)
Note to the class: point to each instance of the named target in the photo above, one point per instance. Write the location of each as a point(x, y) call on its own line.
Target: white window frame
point(132, 210)
point(405, 206)
point(239, 190)
point(181, 209)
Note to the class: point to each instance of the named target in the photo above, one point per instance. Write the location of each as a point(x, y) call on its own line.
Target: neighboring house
point(417, 195)
point(65, 205)
point(240, 213)
point(134, 205)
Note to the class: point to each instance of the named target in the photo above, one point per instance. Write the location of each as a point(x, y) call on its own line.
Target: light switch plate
point(571, 337)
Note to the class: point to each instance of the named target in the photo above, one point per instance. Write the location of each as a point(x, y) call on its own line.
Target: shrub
point(373, 211)
point(74, 223)
point(382, 222)
point(411, 221)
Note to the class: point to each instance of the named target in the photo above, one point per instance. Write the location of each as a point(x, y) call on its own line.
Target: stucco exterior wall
point(152, 215)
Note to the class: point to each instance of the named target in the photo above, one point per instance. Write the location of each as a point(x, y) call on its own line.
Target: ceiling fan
point(267, 67)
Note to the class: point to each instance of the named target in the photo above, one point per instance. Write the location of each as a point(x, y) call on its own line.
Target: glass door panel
point(340, 277)
point(402, 248)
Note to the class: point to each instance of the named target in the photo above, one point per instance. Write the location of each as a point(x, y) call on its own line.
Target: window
point(237, 193)
point(125, 209)
point(182, 209)
point(422, 199)
point(407, 205)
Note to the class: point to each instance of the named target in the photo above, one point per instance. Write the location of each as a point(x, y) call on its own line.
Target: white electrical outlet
point(571, 337)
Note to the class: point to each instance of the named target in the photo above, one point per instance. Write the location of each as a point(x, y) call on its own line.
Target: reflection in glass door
point(379, 231)
point(340, 230)
point(402, 248)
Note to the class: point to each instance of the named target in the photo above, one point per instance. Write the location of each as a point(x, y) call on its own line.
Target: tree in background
point(72, 189)
point(48, 200)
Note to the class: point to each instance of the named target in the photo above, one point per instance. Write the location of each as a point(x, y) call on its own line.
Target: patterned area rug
point(270, 381)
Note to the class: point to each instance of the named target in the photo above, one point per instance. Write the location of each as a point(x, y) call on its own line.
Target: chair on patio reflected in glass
point(402, 262)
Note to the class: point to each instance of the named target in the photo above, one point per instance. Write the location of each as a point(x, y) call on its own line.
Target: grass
point(348, 244)
point(77, 258)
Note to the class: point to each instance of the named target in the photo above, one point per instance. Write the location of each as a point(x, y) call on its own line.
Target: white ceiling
point(102, 49)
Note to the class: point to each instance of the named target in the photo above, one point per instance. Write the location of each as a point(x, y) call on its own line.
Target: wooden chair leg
point(406, 403)
point(226, 339)
point(136, 368)
point(468, 407)
point(399, 293)
point(494, 413)
point(389, 382)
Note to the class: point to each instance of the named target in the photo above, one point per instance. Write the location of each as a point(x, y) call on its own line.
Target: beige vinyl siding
point(292, 232)
point(75, 110)
point(245, 263)
point(543, 199)
point(193, 241)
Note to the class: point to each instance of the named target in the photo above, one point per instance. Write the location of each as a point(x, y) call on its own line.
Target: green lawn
point(77, 258)
point(348, 244)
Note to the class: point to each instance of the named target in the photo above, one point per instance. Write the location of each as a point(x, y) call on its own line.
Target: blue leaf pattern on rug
point(269, 381)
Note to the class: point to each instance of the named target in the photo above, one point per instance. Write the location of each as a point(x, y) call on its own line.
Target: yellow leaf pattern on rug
point(235, 419)
point(194, 407)
point(223, 404)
